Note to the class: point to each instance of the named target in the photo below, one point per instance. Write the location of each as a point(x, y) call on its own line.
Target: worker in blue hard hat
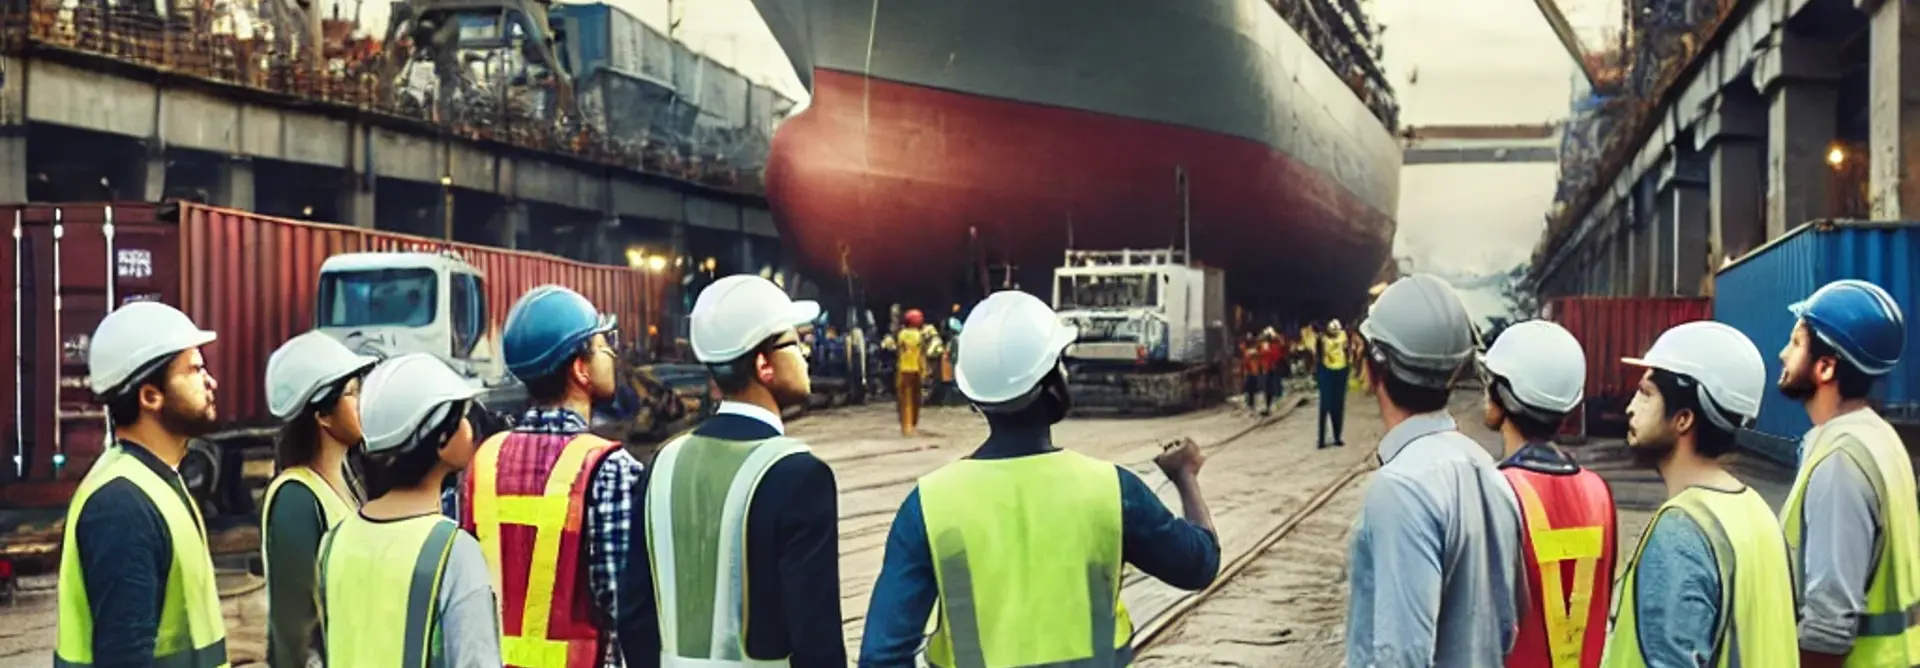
point(1021, 544)
point(741, 564)
point(1852, 517)
point(554, 483)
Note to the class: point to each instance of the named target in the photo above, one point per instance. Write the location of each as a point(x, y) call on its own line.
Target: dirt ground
point(1288, 608)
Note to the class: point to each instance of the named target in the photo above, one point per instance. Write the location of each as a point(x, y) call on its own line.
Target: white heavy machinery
point(1153, 332)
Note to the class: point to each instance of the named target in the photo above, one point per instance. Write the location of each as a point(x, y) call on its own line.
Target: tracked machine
point(1153, 332)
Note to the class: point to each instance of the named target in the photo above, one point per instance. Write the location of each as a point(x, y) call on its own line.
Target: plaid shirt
point(609, 517)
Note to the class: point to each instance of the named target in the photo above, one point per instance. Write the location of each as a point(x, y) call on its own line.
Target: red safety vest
point(525, 498)
point(1567, 522)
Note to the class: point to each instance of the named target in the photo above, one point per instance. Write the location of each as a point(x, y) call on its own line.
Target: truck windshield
point(1110, 291)
point(378, 297)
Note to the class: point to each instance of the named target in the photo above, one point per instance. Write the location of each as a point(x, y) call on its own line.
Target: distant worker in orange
point(1251, 369)
point(1272, 358)
point(914, 343)
point(1535, 376)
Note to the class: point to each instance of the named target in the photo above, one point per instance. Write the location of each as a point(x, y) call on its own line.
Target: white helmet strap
point(1512, 404)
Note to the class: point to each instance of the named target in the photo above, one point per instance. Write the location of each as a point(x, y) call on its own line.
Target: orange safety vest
point(525, 498)
point(1567, 521)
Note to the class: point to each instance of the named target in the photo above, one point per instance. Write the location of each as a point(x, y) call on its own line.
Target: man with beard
point(1435, 556)
point(1536, 375)
point(1022, 543)
point(136, 580)
point(1709, 583)
point(742, 565)
point(1851, 518)
point(549, 497)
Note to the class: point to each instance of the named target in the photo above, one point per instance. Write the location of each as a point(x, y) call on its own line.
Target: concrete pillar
point(153, 186)
point(236, 185)
point(357, 205)
point(1893, 104)
point(1664, 236)
point(13, 165)
point(1731, 137)
point(508, 225)
point(1797, 75)
point(1684, 217)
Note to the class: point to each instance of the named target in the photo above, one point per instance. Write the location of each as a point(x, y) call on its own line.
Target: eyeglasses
point(788, 344)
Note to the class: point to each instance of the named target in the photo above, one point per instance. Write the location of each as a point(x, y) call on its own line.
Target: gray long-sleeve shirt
point(1839, 524)
point(1435, 557)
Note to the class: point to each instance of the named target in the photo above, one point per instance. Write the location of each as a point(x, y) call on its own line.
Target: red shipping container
point(1610, 328)
point(250, 278)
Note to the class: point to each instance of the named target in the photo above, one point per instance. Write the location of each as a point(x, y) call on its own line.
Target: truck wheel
point(200, 469)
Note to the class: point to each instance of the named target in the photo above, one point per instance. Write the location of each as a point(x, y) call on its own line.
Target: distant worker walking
point(1851, 518)
point(1020, 546)
point(741, 560)
point(1435, 555)
point(136, 579)
point(552, 503)
point(313, 384)
point(1332, 359)
point(914, 344)
point(1710, 582)
point(401, 585)
point(1536, 375)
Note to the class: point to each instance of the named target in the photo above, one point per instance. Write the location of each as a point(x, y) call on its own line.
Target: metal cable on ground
point(1147, 635)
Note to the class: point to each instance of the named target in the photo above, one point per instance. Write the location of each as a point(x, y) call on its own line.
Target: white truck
point(1153, 332)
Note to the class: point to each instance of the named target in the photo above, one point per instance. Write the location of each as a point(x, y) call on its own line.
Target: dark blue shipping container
point(1752, 295)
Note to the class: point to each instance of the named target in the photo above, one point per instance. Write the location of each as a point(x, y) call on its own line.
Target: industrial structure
point(1713, 127)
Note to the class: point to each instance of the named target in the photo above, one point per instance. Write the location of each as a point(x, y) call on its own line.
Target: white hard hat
point(400, 396)
point(736, 313)
point(1543, 364)
point(1723, 361)
point(1334, 325)
point(1012, 339)
point(134, 336)
point(305, 367)
point(1421, 330)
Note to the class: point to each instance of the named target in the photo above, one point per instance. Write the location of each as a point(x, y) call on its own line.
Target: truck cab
point(387, 304)
point(1137, 307)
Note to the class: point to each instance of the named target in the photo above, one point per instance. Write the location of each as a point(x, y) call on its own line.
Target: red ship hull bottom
point(886, 179)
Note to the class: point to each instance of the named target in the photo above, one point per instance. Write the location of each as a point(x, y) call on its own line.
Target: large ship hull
point(1024, 126)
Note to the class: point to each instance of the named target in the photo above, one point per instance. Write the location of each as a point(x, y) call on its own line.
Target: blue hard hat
point(547, 328)
point(1861, 322)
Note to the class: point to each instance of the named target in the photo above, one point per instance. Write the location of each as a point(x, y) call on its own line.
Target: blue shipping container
point(1752, 295)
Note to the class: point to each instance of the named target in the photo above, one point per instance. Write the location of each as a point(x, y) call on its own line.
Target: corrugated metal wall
point(1610, 329)
point(1752, 295)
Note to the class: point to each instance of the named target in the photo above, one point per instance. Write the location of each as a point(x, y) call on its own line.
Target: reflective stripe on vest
point(363, 563)
point(1333, 351)
point(1026, 552)
point(1756, 625)
point(696, 508)
point(1560, 630)
point(535, 632)
point(333, 510)
point(1888, 634)
point(191, 633)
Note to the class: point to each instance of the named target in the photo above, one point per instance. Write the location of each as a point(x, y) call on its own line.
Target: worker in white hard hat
point(400, 583)
point(740, 518)
point(1020, 545)
point(313, 387)
point(1711, 577)
point(1535, 376)
point(1332, 360)
point(1434, 561)
point(136, 579)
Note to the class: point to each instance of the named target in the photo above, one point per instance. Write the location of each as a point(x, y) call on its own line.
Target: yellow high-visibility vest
point(1757, 627)
point(1888, 633)
point(363, 565)
point(333, 509)
point(1026, 552)
point(1333, 351)
point(696, 508)
point(913, 354)
point(191, 632)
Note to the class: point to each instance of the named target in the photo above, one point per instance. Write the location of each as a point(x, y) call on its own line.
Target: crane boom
point(1564, 30)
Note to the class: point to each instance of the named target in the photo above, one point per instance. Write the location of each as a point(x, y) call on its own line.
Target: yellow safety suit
point(1026, 552)
point(1887, 634)
point(191, 633)
point(1756, 628)
point(364, 566)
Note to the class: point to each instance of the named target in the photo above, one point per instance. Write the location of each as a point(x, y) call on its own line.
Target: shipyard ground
point(1286, 608)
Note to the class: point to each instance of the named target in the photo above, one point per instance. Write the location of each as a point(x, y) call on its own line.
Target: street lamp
point(656, 263)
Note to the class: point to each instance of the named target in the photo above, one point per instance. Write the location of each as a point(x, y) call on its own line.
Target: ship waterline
point(1043, 121)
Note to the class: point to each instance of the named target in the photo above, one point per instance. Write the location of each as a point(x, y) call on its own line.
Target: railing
point(347, 76)
point(1125, 258)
